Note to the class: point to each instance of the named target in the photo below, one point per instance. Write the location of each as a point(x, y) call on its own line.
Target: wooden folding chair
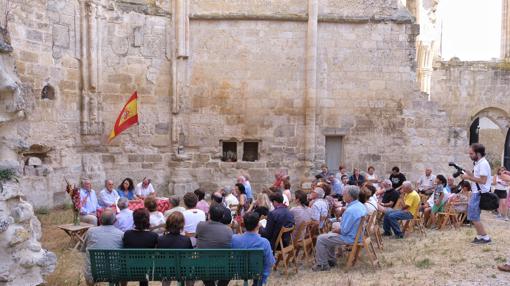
point(304, 240)
point(374, 230)
point(415, 223)
point(450, 216)
point(356, 247)
point(287, 254)
point(325, 228)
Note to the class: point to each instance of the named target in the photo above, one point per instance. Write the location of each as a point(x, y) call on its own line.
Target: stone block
point(147, 166)
point(285, 131)
point(138, 36)
point(60, 35)
point(34, 35)
point(162, 128)
point(153, 158)
point(107, 158)
point(135, 158)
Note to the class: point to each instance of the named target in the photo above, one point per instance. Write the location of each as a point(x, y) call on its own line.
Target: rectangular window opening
point(229, 151)
point(250, 151)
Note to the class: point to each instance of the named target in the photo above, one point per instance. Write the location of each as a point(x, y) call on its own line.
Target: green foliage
point(424, 263)
point(8, 175)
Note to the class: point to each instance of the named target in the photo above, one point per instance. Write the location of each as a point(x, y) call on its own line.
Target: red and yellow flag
point(127, 117)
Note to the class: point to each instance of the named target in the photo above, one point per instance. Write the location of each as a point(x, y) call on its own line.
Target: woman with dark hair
point(140, 236)
point(460, 200)
point(127, 189)
point(240, 193)
point(301, 212)
point(202, 203)
point(436, 201)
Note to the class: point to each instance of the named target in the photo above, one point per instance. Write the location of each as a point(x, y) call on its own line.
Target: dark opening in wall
point(250, 151)
point(229, 151)
point(48, 92)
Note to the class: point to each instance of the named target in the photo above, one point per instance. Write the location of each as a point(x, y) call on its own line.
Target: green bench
point(116, 265)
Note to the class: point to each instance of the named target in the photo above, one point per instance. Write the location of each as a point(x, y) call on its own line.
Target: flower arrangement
point(74, 193)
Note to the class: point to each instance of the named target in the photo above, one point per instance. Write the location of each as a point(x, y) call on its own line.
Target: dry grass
point(441, 258)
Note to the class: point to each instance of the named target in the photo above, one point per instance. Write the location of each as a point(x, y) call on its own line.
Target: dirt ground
point(441, 258)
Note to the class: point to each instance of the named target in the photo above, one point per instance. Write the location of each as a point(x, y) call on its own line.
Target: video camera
point(459, 170)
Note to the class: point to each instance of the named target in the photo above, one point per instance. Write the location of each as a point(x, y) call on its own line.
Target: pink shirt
point(203, 206)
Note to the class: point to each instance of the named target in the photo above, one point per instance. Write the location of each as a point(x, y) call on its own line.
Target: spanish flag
point(127, 117)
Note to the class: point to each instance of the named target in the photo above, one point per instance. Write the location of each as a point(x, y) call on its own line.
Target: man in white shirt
point(426, 182)
point(192, 215)
point(108, 196)
point(480, 183)
point(124, 220)
point(144, 189)
point(319, 205)
point(230, 199)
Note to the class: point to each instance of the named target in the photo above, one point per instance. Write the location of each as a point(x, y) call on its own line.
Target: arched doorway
point(490, 127)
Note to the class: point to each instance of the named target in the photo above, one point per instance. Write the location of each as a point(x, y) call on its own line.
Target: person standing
point(480, 180)
point(501, 190)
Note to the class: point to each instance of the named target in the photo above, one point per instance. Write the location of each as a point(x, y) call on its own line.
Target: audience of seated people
point(204, 224)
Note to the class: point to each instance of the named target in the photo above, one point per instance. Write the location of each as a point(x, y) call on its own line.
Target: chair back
point(279, 239)
point(300, 232)
point(359, 233)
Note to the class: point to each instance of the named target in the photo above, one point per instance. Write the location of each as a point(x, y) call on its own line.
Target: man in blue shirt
point(251, 239)
point(108, 196)
point(89, 204)
point(326, 243)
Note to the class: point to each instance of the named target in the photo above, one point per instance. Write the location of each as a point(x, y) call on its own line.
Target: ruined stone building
point(235, 86)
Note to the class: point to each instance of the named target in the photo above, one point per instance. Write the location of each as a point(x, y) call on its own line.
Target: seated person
point(324, 174)
point(105, 236)
point(319, 206)
point(173, 239)
point(301, 212)
point(202, 203)
point(409, 211)
point(345, 235)
point(397, 178)
point(278, 218)
point(460, 200)
point(144, 189)
point(214, 234)
point(108, 196)
point(356, 179)
point(174, 206)
point(436, 201)
point(141, 236)
point(367, 198)
point(126, 189)
point(157, 220)
point(192, 215)
point(251, 239)
point(124, 220)
point(389, 197)
point(217, 199)
point(426, 182)
point(230, 199)
point(89, 203)
point(262, 205)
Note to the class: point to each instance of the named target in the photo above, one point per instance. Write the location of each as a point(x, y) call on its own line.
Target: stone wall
point(283, 74)
point(468, 90)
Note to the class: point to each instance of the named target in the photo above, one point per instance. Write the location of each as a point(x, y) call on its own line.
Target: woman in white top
point(501, 190)
point(157, 219)
point(372, 177)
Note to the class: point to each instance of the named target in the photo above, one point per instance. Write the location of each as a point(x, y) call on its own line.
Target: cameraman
point(480, 183)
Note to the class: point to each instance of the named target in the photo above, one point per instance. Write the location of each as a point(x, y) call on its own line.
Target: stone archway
point(496, 140)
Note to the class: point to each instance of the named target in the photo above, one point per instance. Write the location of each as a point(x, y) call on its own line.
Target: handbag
point(488, 201)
